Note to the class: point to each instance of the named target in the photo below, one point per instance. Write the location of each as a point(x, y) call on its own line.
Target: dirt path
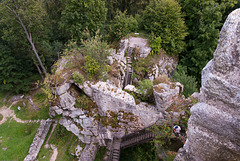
point(7, 113)
point(54, 155)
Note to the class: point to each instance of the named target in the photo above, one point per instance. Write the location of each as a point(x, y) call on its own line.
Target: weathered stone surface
point(67, 101)
point(16, 98)
point(58, 110)
point(196, 95)
point(78, 150)
point(70, 126)
point(89, 152)
point(130, 88)
point(147, 114)
point(38, 140)
point(165, 95)
point(213, 128)
point(165, 66)
point(62, 89)
point(109, 97)
point(86, 87)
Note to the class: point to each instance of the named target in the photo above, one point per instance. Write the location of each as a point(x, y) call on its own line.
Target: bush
point(145, 88)
point(92, 67)
point(78, 78)
point(96, 52)
point(122, 25)
point(189, 82)
point(156, 44)
point(163, 18)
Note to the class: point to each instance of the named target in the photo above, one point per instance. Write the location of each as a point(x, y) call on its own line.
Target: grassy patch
point(100, 153)
point(1, 117)
point(28, 113)
point(17, 138)
point(61, 139)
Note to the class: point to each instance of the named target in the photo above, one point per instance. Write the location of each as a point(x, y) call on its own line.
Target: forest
point(36, 33)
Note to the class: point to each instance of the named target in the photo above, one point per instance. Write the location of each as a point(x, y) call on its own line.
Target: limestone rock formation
point(166, 66)
point(213, 128)
point(166, 94)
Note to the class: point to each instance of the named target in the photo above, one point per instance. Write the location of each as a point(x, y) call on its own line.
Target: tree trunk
point(32, 44)
point(28, 36)
point(39, 70)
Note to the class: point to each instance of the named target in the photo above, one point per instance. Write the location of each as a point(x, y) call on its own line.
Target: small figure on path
point(176, 130)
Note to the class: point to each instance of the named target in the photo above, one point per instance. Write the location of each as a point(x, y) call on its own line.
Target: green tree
point(14, 75)
point(29, 15)
point(80, 15)
point(189, 82)
point(203, 21)
point(163, 18)
point(122, 25)
point(132, 7)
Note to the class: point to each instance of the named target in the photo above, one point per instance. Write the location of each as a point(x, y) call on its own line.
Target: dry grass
point(161, 79)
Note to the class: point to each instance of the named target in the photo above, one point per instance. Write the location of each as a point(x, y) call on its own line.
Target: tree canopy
point(163, 18)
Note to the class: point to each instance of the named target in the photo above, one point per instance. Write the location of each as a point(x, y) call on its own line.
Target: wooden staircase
point(129, 140)
point(115, 150)
point(129, 70)
point(141, 136)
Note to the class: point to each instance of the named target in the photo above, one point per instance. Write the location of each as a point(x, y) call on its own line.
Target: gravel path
point(7, 113)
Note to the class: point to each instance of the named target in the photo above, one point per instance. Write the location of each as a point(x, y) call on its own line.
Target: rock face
point(108, 96)
point(165, 94)
point(213, 128)
point(165, 66)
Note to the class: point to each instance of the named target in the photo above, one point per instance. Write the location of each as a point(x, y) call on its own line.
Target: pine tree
point(164, 19)
point(81, 15)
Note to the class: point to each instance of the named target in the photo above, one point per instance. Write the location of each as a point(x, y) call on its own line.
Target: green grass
point(60, 138)
point(28, 113)
point(17, 138)
point(100, 153)
point(1, 117)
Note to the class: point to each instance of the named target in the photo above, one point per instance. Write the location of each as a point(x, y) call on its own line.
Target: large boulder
point(213, 128)
point(166, 94)
point(109, 97)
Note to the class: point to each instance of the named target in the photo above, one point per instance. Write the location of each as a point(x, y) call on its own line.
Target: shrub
point(78, 78)
point(156, 44)
point(163, 18)
point(145, 88)
point(189, 82)
point(91, 66)
point(122, 25)
point(96, 52)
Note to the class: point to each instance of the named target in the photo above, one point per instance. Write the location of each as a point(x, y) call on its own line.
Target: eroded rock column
point(214, 125)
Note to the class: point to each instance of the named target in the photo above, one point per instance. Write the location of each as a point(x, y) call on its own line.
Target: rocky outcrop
point(166, 94)
point(38, 140)
point(213, 128)
point(109, 97)
point(89, 153)
point(166, 66)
